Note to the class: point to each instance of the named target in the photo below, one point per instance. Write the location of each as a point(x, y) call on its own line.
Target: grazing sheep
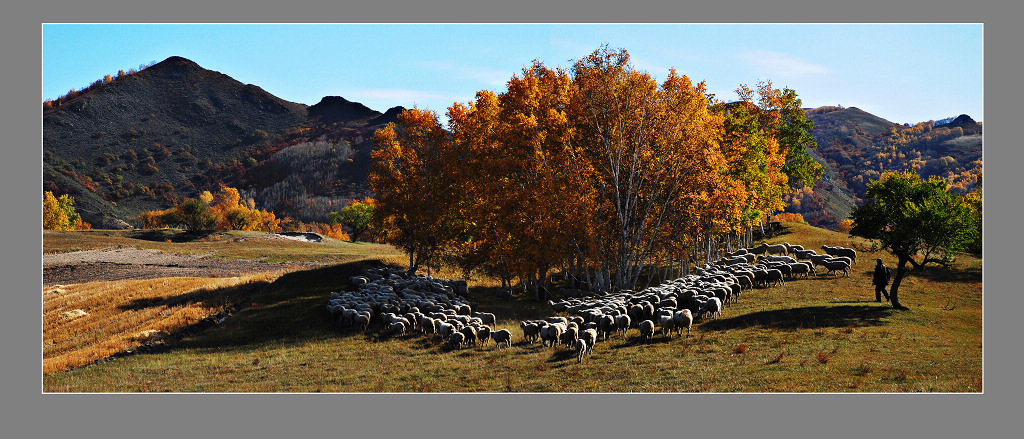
point(833, 266)
point(775, 275)
point(531, 331)
point(457, 339)
point(804, 254)
point(486, 317)
point(636, 312)
point(777, 249)
point(606, 325)
point(569, 337)
point(713, 307)
point(668, 324)
point(803, 268)
point(646, 330)
point(397, 329)
point(550, 334)
point(445, 329)
point(581, 348)
point(590, 336)
point(622, 323)
point(841, 251)
point(501, 336)
point(362, 320)
point(683, 318)
point(483, 334)
point(470, 333)
point(842, 258)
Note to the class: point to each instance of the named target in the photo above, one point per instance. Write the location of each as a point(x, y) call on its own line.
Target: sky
point(905, 73)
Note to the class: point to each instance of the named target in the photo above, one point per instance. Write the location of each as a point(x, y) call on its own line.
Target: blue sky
point(904, 73)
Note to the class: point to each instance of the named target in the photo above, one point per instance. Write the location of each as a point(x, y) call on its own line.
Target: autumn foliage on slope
point(600, 171)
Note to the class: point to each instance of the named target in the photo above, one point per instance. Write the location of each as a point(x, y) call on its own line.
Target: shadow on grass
point(939, 274)
point(289, 310)
point(172, 235)
point(806, 317)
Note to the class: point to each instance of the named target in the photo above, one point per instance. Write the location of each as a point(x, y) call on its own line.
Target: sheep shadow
point(561, 355)
point(805, 317)
point(636, 340)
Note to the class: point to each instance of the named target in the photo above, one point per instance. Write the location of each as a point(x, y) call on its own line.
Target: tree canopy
point(918, 221)
point(598, 169)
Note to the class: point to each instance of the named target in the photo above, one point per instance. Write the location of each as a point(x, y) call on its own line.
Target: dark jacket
point(881, 276)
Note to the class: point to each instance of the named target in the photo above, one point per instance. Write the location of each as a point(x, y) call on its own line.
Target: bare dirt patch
point(123, 263)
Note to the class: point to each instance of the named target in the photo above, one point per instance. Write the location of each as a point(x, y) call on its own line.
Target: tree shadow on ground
point(289, 310)
point(805, 317)
point(172, 235)
point(940, 274)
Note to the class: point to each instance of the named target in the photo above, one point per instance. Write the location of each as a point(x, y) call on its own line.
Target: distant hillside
point(146, 140)
point(856, 147)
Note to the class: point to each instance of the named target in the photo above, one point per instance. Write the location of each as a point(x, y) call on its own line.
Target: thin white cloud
point(489, 76)
point(780, 64)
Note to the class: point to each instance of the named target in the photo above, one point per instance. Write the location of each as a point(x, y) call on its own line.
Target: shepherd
point(880, 279)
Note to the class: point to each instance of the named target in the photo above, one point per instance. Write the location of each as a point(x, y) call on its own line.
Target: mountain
point(148, 139)
point(855, 147)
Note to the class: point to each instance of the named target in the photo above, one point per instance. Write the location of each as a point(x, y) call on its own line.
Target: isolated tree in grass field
point(193, 215)
point(919, 222)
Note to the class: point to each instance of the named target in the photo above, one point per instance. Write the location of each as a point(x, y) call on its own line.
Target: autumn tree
point(919, 222)
point(652, 148)
point(192, 215)
point(410, 175)
point(357, 216)
point(59, 213)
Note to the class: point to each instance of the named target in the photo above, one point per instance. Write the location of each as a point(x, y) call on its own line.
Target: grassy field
point(232, 244)
point(817, 335)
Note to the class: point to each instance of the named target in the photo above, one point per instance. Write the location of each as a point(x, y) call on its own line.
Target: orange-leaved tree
point(411, 176)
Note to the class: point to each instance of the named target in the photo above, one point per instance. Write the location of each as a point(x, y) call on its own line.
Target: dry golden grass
point(86, 322)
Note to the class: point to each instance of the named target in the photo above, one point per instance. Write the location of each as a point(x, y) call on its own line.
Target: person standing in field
point(880, 279)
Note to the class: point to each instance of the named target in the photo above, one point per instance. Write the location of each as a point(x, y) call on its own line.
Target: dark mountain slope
point(142, 139)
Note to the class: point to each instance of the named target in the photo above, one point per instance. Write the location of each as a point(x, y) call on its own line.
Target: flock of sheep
point(401, 303)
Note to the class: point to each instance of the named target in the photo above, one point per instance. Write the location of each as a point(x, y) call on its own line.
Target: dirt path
point(121, 263)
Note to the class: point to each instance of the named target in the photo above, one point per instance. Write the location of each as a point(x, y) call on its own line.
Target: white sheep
point(775, 275)
point(362, 320)
point(397, 329)
point(668, 324)
point(713, 307)
point(531, 331)
point(841, 251)
point(834, 265)
point(803, 268)
point(550, 334)
point(646, 330)
point(501, 336)
point(581, 347)
point(606, 325)
point(590, 336)
point(622, 323)
point(569, 337)
point(483, 333)
point(457, 339)
point(776, 249)
point(486, 317)
point(470, 333)
point(683, 318)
